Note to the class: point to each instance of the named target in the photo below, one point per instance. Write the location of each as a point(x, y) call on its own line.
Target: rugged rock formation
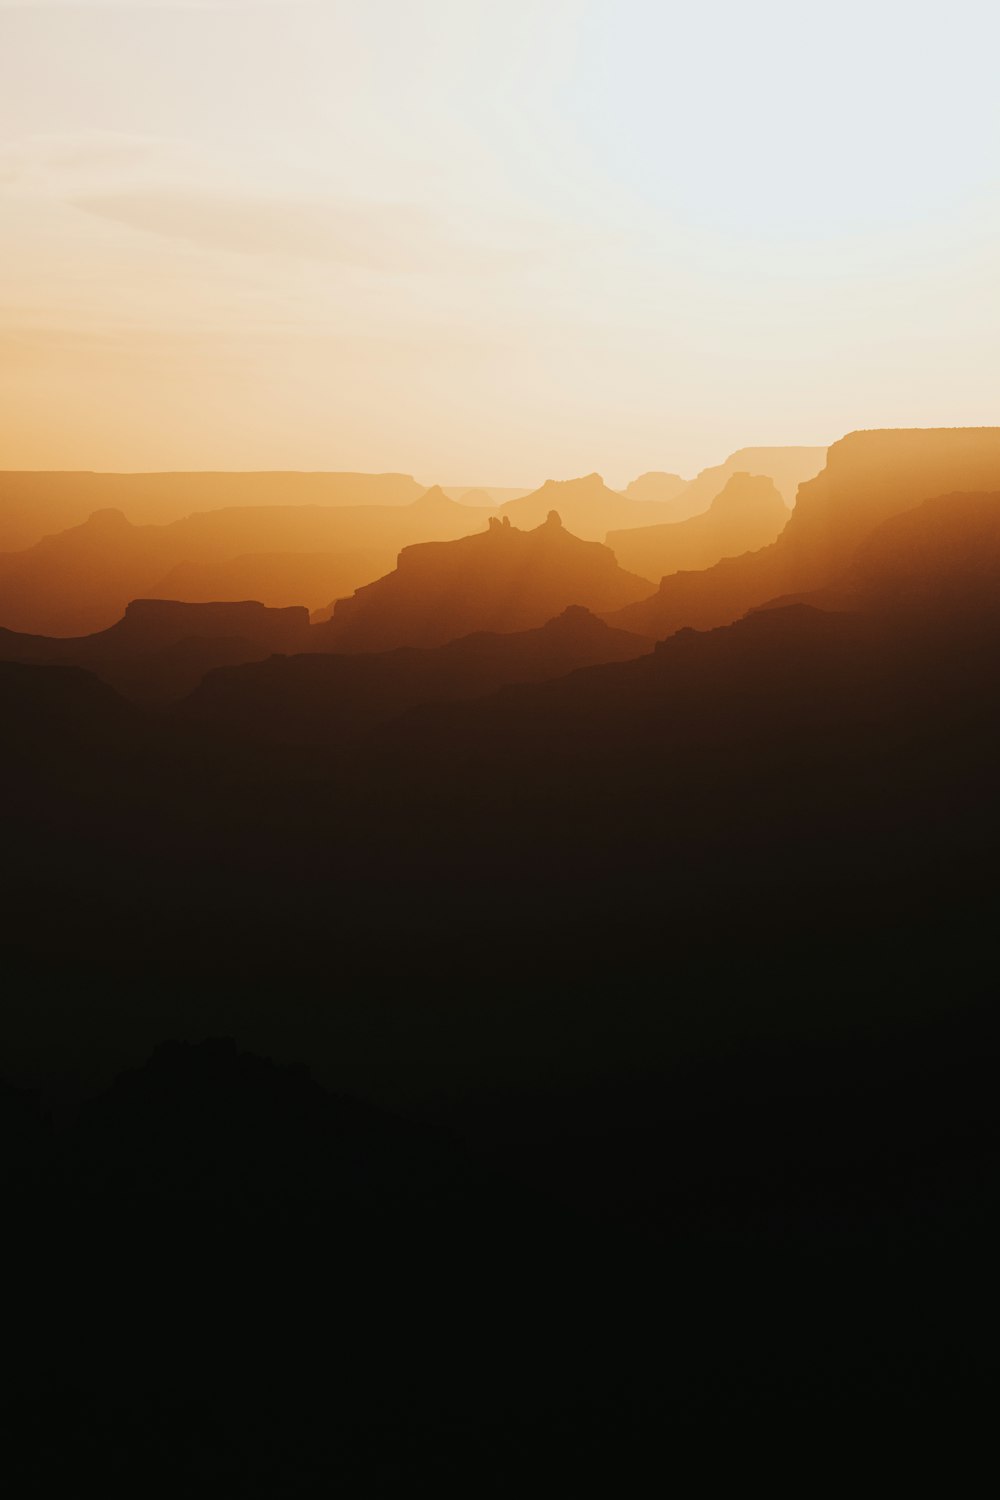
point(588, 508)
point(502, 579)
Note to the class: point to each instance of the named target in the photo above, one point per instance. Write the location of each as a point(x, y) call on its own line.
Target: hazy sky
point(491, 240)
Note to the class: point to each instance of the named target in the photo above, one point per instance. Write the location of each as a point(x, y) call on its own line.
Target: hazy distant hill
point(656, 486)
point(869, 477)
point(161, 648)
point(748, 513)
point(588, 508)
point(487, 496)
point(787, 467)
point(82, 579)
point(34, 504)
point(329, 699)
point(502, 579)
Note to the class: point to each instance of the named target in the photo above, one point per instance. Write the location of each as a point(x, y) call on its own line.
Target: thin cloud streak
point(379, 237)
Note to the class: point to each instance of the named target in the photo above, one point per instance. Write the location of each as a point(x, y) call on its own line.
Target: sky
point(491, 241)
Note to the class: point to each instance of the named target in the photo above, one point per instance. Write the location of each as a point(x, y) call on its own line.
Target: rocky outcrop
point(502, 579)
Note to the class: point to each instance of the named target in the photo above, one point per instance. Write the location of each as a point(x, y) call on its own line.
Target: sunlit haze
point(491, 243)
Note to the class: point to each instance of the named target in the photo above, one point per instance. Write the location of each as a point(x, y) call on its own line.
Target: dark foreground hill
point(502, 579)
point(650, 1117)
point(325, 699)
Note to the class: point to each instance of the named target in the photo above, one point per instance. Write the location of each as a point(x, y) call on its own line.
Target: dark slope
point(161, 649)
point(331, 699)
point(651, 1024)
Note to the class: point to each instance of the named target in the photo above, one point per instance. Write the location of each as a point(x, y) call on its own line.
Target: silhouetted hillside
point(161, 649)
point(34, 504)
point(747, 514)
point(869, 477)
point(651, 1036)
point(82, 579)
point(53, 714)
point(330, 699)
point(502, 579)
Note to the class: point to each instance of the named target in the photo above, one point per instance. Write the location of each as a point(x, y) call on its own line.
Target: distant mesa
point(656, 486)
point(748, 513)
point(330, 699)
point(502, 579)
point(149, 624)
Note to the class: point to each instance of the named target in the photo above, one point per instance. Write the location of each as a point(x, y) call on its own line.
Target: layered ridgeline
point(747, 514)
point(869, 477)
point(82, 579)
point(502, 579)
point(34, 504)
point(329, 699)
point(591, 510)
point(790, 823)
point(161, 649)
point(901, 654)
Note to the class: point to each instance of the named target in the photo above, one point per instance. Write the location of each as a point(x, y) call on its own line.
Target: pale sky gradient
point(491, 240)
